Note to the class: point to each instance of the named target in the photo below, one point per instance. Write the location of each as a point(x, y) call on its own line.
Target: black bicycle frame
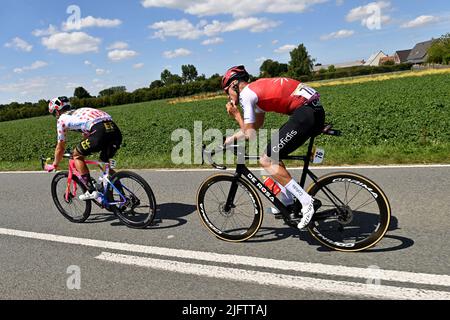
point(243, 171)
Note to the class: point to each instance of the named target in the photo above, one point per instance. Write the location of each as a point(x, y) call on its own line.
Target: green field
point(394, 121)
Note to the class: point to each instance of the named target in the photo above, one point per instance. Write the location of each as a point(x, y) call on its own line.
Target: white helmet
point(58, 105)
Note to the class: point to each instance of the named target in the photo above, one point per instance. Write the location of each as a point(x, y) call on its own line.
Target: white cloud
point(138, 66)
point(45, 32)
point(253, 24)
point(339, 2)
point(260, 59)
point(177, 53)
point(90, 22)
point(420, 22)
point(88, 63)
point(35, 65)
point(101, 72)
point(72, 43)
point(119, 55)
point(119, 45)
point(286, 48)
point(338, 35)
point(212, 41)
point(185, 30)
point(19, 44)
point(25, 86)
point(274, 42)
point(370, 15)
point(181, 29)
point(236, 8)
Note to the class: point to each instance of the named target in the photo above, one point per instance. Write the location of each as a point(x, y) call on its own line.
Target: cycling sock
point(294, 188)
point(285, 196)
point(88, 182)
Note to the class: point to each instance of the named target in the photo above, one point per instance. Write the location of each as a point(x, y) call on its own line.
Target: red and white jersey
point(80, 120)
point(281, 95)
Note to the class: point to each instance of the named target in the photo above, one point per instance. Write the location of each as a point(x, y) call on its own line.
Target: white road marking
point(292, 168)
point(280, 280)
point(315, 268)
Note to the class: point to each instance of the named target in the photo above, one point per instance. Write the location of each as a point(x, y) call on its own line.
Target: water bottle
point(99, 184)
point(272, 185)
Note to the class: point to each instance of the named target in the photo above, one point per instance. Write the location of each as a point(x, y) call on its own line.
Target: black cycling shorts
point(105, 137)
point(306, 122)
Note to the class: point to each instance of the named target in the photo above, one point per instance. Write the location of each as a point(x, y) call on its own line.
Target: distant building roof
point(340, 65)
point(374, 59)
point(403, 55)
point(419, 52)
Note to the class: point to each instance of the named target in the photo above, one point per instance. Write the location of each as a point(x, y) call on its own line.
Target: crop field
point(394, 121)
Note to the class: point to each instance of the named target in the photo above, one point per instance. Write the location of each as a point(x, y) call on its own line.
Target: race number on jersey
point(306, 92)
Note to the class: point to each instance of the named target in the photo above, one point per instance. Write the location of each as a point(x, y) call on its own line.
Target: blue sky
point(46, 51)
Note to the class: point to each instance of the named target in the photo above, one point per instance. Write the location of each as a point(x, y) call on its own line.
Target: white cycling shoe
point(89, 196)
point(308, 213)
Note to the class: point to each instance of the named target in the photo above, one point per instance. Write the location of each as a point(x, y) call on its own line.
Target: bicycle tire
point(85, 213)
point(320, 231)
point(205, 213)
point(125, 214)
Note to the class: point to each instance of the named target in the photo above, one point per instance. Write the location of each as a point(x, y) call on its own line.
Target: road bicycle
point(353, 213)
point(125, 193)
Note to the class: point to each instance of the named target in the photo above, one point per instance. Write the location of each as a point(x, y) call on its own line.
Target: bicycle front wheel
point(66, 199)
point(244, 218)
point(355, 213)
point(138, 208)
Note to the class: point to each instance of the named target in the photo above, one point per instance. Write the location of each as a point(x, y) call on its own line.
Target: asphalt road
point(43, 256)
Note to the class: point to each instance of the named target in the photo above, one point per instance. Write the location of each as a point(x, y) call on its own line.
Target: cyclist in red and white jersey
point(100, 134)
point(285, 96)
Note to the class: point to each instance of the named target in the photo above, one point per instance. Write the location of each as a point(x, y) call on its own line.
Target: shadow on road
point(275, 234)
point(101, 218)
point(172, 212)
point(165, 214)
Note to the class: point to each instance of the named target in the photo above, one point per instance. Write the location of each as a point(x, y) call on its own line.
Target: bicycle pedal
point(293, 220)
point(317, 205)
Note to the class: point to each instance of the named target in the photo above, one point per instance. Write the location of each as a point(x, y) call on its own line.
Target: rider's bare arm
point(248, 130)
point(59, 153)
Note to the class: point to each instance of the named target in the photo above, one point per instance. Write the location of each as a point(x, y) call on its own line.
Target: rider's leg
point(82, 168)
point(280, 174)
point(300, 127)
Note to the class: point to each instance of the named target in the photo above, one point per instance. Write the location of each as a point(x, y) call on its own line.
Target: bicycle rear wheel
point(243, 220)
point(355, 213)
point(139, 209)
point(69, 205)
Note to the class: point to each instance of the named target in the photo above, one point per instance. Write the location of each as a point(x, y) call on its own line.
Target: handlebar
point(45, 161)
point(210, 154)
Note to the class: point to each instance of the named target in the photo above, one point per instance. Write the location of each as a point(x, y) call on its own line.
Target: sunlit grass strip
point(381, 77)
point(198, 97)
